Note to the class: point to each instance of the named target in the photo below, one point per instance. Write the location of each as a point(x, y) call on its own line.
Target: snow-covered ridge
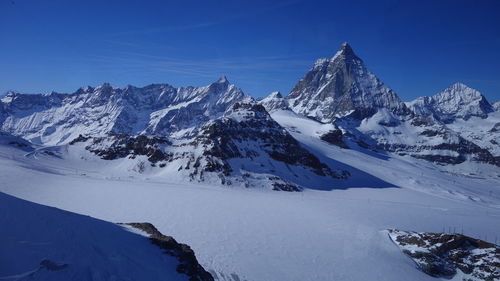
point(456, 101)
point(158, 109)
point(274, 101)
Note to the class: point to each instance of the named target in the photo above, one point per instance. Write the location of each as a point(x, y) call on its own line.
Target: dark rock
point(440, 254)
point(123, 145)
point(334, 137)
point(188, 263)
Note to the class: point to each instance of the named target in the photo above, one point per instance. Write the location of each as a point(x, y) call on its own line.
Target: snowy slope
point(340, 86)
point(460, 181)
point(324, 235)
point(44, 243)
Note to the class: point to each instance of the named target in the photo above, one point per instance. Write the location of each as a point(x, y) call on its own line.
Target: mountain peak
point(345, 51)
point(222, 80)
point(340, 86)
point(274, 101)
point(459, 86)
point(462, 90)
point(276, 94)
point(456, 101)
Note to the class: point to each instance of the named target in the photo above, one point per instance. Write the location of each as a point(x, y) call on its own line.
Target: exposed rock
point(121, 145)
point(441, 255)
point(188, 263)
point(248, 131)
point(334, 137)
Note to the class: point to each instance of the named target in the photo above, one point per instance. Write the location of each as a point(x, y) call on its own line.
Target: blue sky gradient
point(416, 47)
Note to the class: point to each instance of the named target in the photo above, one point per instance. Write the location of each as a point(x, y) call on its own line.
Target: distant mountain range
point(218, 134)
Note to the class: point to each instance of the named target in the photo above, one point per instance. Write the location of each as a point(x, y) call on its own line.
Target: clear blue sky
point(416, 47)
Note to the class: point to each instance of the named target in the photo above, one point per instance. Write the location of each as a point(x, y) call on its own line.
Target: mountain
point(369, 116)
point(212, 134)
point(456, 101)
point(274, 101)
point(340, 86)
point(158, 109)
point(244, 147)
point(218, 135)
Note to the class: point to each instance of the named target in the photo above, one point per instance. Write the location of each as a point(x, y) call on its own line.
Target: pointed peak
point(222, 80)
point(345, 51)
point(459, 85)
point(276, 94)
point(461, 90)
point(11, 93)
point(345, 46)
point(104, 85)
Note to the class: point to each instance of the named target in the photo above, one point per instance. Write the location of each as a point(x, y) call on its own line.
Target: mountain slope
point(244, 147)
point(342, 85)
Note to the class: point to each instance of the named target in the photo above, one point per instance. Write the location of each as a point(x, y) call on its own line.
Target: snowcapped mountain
point(244, 147)
point(274, 101)
point(158, 109)
point(456, 101)
point(340, 86)
point(369, 115)
point(217, 134)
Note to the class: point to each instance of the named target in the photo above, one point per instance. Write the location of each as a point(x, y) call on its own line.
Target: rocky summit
point(340, 86)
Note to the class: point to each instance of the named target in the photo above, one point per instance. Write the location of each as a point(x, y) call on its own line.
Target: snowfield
point(262, 235)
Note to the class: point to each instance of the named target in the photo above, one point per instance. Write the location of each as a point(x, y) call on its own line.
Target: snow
point(78, 247)
point(264, 235)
